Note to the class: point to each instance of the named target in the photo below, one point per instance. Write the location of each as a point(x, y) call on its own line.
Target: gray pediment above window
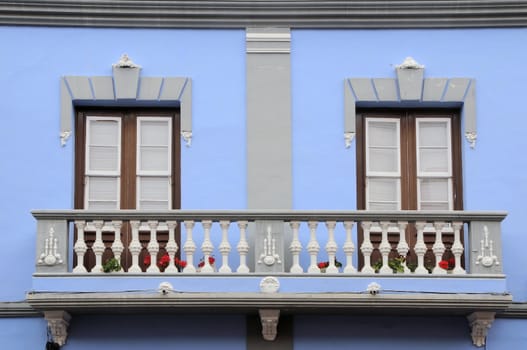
point(125, 88)
point(411, 90)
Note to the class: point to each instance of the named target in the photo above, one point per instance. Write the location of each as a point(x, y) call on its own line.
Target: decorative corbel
point(187, 137)
point(471, 138)
point(480, 322)
point(58, 322)
point(269, 320)
point(348, 138)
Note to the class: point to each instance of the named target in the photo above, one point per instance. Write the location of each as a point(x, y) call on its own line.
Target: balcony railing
point(270, 242)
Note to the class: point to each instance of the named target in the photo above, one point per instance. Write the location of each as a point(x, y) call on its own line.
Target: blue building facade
point(268, 106)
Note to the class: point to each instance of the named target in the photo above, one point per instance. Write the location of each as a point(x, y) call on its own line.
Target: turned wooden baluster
point(331, 247)
point(438, 248)
point(313, 247)
point(225, 247)
point(189, 247)
point(366, 248)
point(457, 248)
point(206, 247)
point(171, 246)
point(349, 248)
point(98, 246)
point(153, 247)
point(80, 247)
point(243, 248)
point(295, 248)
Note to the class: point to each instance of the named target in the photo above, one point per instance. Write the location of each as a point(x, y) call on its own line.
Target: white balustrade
point(382, 243)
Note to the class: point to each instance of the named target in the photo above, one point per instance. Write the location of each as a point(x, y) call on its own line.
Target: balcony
point(271, 259)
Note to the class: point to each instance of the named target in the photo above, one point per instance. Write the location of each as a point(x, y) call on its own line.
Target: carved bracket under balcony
point(269, 320)
point(58, 323)
point(480, 322)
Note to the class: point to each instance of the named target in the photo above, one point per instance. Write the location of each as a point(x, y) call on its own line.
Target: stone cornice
point(17, 309)
point(425, 304)
point(251, 13)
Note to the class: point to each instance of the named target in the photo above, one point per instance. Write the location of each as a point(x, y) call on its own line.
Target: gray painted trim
point(427, 303)
point(18, 309)
point(412, 91)
point(515, 310)
point(284, 215)
point(124, 88)
point(269, 159)
point(252, 13)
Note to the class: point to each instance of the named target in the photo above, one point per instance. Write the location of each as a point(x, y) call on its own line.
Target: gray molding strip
point(253, 13)
point(515, 310)
point(18, 309)
point(294, 302)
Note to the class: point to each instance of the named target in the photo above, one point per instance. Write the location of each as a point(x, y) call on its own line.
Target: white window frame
point(381, 174)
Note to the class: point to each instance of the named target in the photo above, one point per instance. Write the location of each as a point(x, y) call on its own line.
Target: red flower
point(323, 264)
point(146, 260)
point(211, 262)
point(451, 263)
point(443, 264)
point(164, 261)
point(180, 263)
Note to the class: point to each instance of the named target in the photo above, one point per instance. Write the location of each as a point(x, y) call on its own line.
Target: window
point(127, 159)
point(409, 159)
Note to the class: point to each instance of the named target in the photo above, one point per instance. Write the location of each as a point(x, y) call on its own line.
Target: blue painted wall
point(494, 173)
point(23, 333)
point(38, 173)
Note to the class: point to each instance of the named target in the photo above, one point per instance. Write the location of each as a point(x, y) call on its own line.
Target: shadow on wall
point(169, 331)
point(383, 332)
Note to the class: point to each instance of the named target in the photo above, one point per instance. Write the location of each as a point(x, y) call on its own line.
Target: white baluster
point(349, 248)
point(457, 248)
point(98, 246)
point(189, 247)
point(420, 249)
point(331, 247)
point(153, 247)
point(80, 247)
point(295, 248)
point(402, 246)
point(438, 248)
point(224, 247)
point(366, 248)
point(135, 246)
point(385, 248)
point(206, 247)
point(117, 245)
point(171, 246)
point(243, 248)
point(313, 247)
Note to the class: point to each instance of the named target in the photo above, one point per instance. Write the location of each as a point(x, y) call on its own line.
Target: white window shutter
point(154, 165)
point(103, 156)
point(383, 164)
point(434, 158)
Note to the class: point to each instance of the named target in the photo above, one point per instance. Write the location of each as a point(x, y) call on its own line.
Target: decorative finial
point(125, 62)
point(409, 63)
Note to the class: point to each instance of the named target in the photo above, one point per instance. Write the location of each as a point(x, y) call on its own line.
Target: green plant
point(111, 265)
point(396, 264)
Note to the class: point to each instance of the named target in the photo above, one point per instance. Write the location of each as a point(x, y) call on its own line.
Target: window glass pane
point(433, 160)
point(434, 190)
point(382, 190)
point(104, 132)
point(154, 193)
point(433, 134)
point(154, 132)
point(434, 206)
point(154, 158)
point(103, 158)
point(382, 133)
point(102, 192)
point(383, 160)
point(382, 206)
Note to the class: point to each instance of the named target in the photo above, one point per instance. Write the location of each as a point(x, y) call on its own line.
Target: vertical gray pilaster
point(269, 161)
point(268, 118)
